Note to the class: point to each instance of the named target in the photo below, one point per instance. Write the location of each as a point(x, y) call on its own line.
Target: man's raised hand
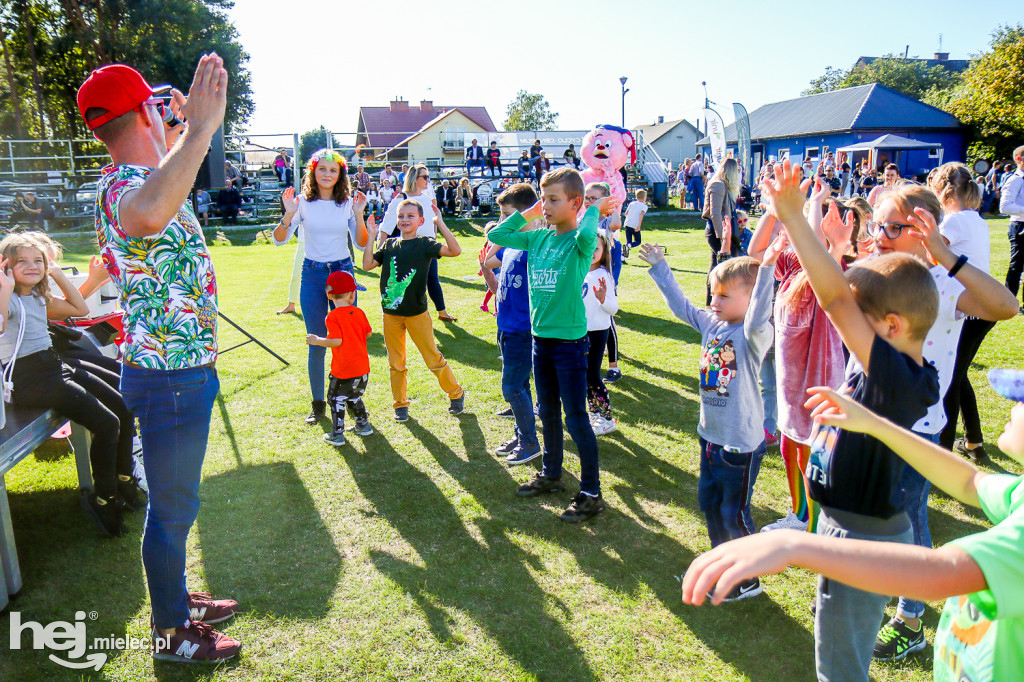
point(207, 96)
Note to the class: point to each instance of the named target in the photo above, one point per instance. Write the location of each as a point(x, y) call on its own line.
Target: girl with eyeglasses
point(328, 216)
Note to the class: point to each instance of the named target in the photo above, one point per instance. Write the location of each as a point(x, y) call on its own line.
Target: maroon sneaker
point(195, 643)
point(203, 608)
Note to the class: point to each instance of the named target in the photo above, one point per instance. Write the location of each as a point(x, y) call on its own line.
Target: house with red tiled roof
point(401, 131)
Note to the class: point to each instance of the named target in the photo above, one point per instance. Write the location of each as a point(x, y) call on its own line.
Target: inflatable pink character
point(606, 149)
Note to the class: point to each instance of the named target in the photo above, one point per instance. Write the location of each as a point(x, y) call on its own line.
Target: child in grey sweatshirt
point(735, 336)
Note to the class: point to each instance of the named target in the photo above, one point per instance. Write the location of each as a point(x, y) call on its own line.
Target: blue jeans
point(173, 408)
point(560, 375)
point(616, 260)
point(915, 494)
point(724, 488)
point(697, 187)
point(516, 366)
point(315, 306)
point(769, 395)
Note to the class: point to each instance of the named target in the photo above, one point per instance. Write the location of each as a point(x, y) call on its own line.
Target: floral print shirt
point(167, 284)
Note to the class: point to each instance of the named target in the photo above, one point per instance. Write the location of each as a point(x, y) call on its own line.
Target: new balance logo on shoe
point(197, 614)
point(187, 649)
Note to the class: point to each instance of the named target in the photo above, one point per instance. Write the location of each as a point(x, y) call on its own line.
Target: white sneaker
point(605, 426)
point(789, 522)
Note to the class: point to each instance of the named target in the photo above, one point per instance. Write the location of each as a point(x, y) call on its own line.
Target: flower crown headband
point(327, 155)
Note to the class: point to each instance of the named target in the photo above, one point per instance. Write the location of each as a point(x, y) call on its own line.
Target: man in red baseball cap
point(168, 377)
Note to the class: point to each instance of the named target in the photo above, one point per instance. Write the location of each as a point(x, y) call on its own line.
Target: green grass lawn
point(406, 555)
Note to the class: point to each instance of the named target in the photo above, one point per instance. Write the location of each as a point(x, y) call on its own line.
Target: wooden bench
point(24, 432)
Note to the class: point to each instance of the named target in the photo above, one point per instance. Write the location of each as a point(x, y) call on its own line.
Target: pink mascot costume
point(605, 151)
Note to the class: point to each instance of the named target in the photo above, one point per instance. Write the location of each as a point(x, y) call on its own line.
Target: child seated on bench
point(41, 380)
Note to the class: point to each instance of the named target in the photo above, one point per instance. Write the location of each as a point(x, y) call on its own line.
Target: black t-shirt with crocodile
point(403, 276)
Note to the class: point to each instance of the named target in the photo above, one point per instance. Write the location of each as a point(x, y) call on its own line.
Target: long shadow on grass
point(488, 579)
point(457, 343)
point(67, 567)
point(284, 562)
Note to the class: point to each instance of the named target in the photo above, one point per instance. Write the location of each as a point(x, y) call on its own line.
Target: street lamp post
point(622, 80)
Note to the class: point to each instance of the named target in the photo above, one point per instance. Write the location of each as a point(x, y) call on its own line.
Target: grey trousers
point(847, 620)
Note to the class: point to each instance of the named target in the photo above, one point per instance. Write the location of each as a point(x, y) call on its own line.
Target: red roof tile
point(385, 128)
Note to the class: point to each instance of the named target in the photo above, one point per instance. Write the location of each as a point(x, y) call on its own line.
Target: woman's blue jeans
point(315, 306)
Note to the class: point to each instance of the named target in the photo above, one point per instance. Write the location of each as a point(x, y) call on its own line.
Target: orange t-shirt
point(350, 359)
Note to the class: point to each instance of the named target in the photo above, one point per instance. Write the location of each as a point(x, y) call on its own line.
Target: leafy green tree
point(529, 112)
point(990, 98)
point(911, 77)
point(50, 46)
point(832, 79)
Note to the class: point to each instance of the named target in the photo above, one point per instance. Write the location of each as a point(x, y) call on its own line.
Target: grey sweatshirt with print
point(731, 411)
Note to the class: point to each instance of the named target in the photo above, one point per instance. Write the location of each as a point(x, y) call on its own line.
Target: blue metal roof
point(863, 107)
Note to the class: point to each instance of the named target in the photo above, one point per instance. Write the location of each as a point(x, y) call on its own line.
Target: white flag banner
point(716, 135)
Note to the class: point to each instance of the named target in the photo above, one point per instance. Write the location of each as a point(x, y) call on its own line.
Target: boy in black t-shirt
point(403, 291)
point(882, 309)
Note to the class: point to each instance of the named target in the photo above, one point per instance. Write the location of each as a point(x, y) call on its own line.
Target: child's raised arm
point(451, 246)
point(825, 276)
point(369, 263)
point(673, 295)
point(72, 305)
point(507, 232)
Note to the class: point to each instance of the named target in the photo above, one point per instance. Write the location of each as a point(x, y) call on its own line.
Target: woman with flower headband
point(328, 217)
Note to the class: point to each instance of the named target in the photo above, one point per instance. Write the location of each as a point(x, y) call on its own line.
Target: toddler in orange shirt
point(347, 332)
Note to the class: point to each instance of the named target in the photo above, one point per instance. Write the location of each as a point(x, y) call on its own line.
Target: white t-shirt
point(326, 227)
point(940, 345)
point(389, 223)
point(967, 233)
point(599, 315)
point(634, 213)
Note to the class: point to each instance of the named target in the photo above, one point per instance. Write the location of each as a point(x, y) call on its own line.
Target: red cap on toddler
point(340, 282)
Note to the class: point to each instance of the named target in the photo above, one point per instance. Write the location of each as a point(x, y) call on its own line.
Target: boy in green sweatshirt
point(559, 259)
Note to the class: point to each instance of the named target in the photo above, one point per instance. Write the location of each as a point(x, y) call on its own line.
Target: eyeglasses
point(742, 221)
point(891, 230)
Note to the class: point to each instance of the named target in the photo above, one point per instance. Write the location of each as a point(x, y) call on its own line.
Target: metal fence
point(63, 173)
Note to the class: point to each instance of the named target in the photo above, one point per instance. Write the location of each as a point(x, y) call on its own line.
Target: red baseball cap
point(118, 89)
point(340, 282)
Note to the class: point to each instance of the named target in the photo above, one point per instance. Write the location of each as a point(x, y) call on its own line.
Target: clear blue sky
point(464, 52)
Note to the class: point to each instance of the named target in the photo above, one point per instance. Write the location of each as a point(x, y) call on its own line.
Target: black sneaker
point(745, 590)
point(613, 375)
point(401, 414)
point(540, 484)
point(582, 508)
point(458, 405)
point(896, 641)
point(106, 512)
point(507, 412)
point(363, 429)
point(319, 409)
point(130, 495)
point(975, 454)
